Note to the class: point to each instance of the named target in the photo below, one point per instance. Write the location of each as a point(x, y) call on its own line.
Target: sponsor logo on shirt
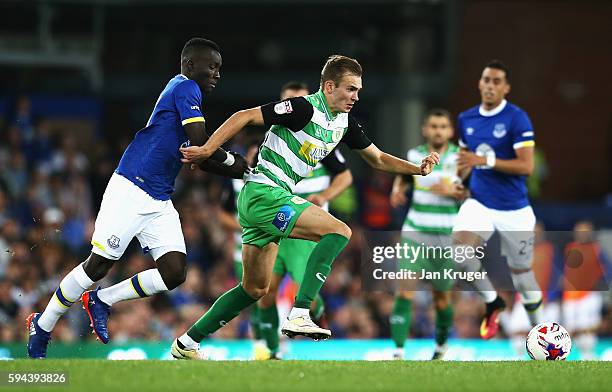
point(283, 107)
point(313, 153)
point(484, 150)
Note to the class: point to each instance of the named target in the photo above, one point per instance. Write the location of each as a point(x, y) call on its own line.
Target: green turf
point(314, 376)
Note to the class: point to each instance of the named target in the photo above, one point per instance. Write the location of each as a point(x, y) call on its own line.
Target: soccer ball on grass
point(548, 341)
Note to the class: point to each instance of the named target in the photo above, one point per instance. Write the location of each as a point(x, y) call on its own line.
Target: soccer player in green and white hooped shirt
point(430, 219)
point(303, 131)
point(329, 179)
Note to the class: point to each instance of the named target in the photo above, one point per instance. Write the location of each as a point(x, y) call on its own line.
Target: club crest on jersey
point(283, 107)
point(113, 241)
point(337, 135)
point(499, 131)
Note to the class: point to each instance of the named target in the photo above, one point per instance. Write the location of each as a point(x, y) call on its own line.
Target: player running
point(328, 179)
point(497, 141)
point(137, 202)
point(303, 131)
point(430, 220)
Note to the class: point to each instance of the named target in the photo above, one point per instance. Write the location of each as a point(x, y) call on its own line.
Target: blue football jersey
point(497, 132)
point(153, 160)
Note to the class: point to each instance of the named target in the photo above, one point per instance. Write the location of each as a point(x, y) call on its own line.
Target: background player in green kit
point(303, 131)
point(328, 179)
point(430, 219)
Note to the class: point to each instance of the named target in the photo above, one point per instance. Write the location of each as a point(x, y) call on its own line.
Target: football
point(548, 341)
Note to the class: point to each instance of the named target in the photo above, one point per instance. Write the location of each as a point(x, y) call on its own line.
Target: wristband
point(490, 161)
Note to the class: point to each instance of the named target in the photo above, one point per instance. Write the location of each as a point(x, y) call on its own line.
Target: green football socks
point(318, 268)
point(269, 327)
point(225, 308)
point(400, 320)
point(444, 322)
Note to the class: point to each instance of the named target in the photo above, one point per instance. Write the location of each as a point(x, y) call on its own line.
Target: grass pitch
point(311, 376)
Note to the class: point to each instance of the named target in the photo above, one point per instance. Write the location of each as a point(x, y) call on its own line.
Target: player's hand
point(428, 163)
point(467, 160)
point(195, 154)
point(398, 198)
point(317, 199)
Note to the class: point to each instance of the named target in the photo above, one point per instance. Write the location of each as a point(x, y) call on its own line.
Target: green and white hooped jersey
point(303, 131)
point(430, 212)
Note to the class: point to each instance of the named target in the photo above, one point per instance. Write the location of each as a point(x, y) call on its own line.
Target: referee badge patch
point(283, 107)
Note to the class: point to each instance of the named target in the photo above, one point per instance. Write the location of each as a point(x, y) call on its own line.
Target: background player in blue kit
point(497, 143)
point(137, 202)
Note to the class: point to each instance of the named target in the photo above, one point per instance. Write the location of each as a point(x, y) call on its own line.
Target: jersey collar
point(319, 94)
point(494, 111)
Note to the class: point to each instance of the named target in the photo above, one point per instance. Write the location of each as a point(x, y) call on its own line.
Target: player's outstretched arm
point(196, 133)
point(227, 164)
point(226, 131)
point(386, 162)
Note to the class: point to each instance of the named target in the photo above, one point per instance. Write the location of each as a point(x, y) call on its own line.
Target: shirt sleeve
point(188, 99)
point(293, 113)
point(335, 162)
point(354, 137)
point(522, 131)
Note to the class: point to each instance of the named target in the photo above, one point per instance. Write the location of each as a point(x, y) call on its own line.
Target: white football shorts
point(515, 228)
point(127, 212)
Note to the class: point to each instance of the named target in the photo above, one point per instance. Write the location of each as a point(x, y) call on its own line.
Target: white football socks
point(298, 312)
point(141, 285)
point(68, 292)
point(484, 285)
point(188, 342)
point(531, 295)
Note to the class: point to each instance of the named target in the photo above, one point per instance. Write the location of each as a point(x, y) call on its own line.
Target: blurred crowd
point(51, 185)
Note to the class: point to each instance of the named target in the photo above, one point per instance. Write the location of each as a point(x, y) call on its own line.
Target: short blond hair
point(338, 66)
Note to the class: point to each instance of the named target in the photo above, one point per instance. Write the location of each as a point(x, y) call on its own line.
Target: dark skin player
point(202, 65)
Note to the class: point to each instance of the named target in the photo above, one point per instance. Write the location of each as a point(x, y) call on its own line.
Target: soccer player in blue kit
point(497, 143)
point(137, 202)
